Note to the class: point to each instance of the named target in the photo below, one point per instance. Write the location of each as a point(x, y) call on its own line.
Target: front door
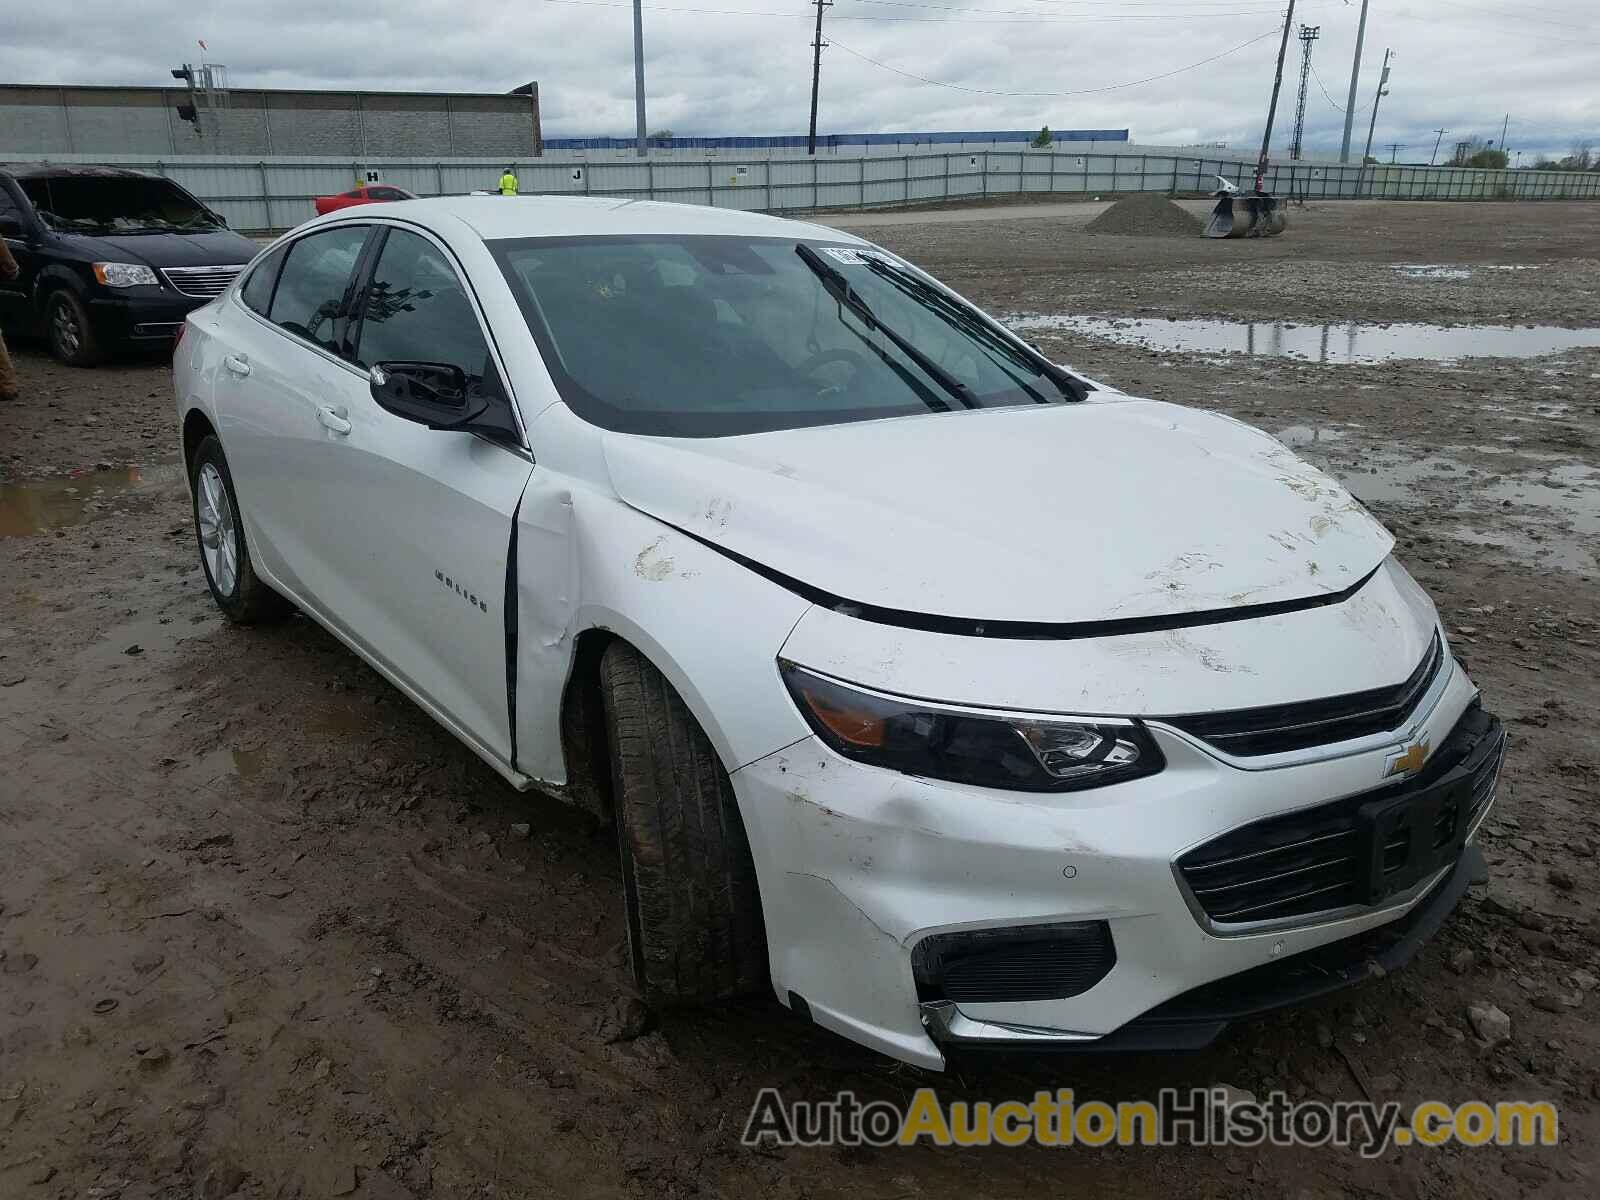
point(411, 549)
point(15, 227)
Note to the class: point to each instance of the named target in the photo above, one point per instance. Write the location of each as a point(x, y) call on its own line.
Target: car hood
point(214, 248)
point(1072, 513)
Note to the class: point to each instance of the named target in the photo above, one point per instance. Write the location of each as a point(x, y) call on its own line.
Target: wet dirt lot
point(266, 930)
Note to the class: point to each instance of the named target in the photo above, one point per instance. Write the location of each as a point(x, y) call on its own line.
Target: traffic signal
point(187, 112)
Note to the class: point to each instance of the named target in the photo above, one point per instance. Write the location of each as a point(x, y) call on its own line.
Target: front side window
point(311, 295)
point(709, 336)
point(417, 310)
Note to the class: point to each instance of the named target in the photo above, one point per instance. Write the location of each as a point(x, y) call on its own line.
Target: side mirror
point(429, 393)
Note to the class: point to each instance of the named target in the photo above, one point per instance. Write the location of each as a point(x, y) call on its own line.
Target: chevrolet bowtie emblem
point(1408, 761)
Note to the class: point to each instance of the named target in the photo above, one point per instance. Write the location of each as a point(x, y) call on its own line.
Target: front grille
point(1280, 727)
point(202, 282)
point(1314, 861)
point(1049, 962)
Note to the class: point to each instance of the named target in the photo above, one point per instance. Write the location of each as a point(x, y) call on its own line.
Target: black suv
point(110, 259)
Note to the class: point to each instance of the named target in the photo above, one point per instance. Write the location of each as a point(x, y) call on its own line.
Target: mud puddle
point(1346, 343)
point(1548, 516)
point(1432, 271)
point(35, 506)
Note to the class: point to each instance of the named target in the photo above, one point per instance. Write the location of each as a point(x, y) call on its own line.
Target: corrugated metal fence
point(276, 193)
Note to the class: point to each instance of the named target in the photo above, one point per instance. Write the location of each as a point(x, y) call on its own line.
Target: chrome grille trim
point(205, 283)
point(1313, 878)
point(1307, 725)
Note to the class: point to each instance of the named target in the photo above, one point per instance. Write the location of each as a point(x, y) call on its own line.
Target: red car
point(377, 193)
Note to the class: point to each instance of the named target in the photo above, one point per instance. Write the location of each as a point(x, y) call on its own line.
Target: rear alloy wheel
point(694, 913)
point(71, 336)
point(235, 587)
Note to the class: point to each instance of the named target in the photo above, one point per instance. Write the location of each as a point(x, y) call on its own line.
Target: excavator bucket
point(1249, 214)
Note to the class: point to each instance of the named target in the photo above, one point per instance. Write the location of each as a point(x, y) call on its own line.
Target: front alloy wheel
point(72, 338)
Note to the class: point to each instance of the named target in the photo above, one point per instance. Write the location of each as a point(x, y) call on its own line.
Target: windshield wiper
point(837, 286)
point(974, 324)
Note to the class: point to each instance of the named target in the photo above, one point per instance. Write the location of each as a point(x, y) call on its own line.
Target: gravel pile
point(1146, 215)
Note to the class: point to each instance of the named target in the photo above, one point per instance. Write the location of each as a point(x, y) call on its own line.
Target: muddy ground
point(265, 930)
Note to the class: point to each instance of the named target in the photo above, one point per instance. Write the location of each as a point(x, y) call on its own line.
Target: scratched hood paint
point(1084, 512)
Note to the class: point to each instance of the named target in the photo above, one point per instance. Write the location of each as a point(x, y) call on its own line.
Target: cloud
point(744, 66)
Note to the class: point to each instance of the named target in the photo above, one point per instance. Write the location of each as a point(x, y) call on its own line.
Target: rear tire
point(694, 912)
point(224, 553)
point(67, 328)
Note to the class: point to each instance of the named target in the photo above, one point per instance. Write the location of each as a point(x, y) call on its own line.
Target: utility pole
point(638, 75)
point(1308, 35)
point(1355, 75)
point(1504, 125)
point(1373, 124)
point(1436, 141)
point(1394, 147)
point(1272, 108)
point(816, 74)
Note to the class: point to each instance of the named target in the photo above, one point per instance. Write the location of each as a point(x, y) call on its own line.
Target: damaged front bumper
point(926, 919)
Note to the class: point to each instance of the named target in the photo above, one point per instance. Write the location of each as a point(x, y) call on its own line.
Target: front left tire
point(695, 929)
point(224, 552)
point(69, 331)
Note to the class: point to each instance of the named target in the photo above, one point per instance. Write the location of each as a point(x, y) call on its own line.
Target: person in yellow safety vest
point(508, 183)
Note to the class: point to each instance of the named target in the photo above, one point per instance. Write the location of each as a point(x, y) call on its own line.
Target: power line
point(1326, 95)
point(1234, 8)
point(1021, 19)
point(1504, 31)
point(1075, 92)
point(1263, 6)
point(1520, 14)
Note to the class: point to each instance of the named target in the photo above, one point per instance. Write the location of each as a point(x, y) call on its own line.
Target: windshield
point(116, 204)
point(711, 336)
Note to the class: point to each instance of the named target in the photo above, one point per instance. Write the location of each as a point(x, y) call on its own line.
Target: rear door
point(283, 370)
point(410, 548)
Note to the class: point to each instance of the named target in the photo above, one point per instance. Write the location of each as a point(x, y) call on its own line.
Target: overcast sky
point(744, 66)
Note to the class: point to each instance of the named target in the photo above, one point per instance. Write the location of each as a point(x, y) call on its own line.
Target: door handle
point(334, 419)
point(237, 363)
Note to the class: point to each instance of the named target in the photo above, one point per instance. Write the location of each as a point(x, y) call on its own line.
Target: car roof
point(73, 171)
point(497, 217)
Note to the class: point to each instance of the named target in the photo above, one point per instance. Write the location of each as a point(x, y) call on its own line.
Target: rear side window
point(418, 310)
point(257, 290)
point(312, 288)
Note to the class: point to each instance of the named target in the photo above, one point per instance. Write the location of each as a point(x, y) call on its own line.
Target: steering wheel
point(826, 358)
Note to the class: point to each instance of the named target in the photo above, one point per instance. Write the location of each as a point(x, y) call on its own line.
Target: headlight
point(124, 275)
point(1018, 753)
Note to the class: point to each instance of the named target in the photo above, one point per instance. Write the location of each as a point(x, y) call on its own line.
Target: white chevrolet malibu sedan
point(966, 702)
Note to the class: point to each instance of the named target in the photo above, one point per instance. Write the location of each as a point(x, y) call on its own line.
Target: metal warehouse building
point(121, 121)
